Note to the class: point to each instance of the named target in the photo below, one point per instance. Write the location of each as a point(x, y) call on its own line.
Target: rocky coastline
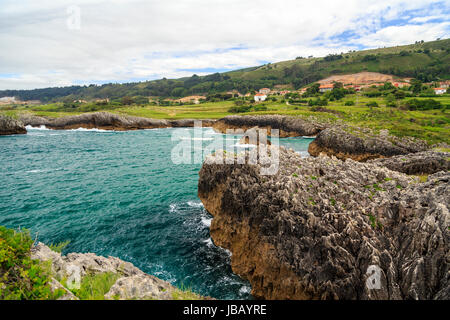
point(9, 126)
point(106, 121)
point(313, 230)
point(287, 126)
point(363, 144)
point(332, 139)
point(131, 283)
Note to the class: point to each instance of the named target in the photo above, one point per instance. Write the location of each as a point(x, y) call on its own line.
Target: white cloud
point(121, 40)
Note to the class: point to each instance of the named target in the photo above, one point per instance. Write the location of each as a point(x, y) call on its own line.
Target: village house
point(440, 90)
point(445, 84)
point(400, 84)
point(265, 91)
point(326, 87)
point(260, 97)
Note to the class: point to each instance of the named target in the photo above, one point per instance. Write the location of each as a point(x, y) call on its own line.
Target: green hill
point(426, 61)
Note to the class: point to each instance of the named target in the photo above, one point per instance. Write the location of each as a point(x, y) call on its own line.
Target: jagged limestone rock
point(133, 283)
point(319, 227)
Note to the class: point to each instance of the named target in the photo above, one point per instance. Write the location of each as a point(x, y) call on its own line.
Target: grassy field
point(431, 125)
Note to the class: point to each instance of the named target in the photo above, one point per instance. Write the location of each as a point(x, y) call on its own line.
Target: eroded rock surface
point(417, 163)
point(288, 126)
point(133, 283)
point(362, 144)
point(10, 126)
point(313, 230)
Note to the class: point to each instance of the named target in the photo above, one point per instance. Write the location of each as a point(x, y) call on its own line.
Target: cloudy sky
point(56, 43)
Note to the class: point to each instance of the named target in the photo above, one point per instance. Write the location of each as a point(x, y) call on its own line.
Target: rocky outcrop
point(106, 121)
point(288, 126)
point(362, 144)
point(417, 163)
point(322, 228)
point(10, 126)
point(132, 283)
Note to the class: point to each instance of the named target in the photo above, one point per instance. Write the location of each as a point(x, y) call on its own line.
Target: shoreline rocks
point(363, 145)
point(317, 228)
point(427, 162)
point(288, 126)
point(9, 126)
point(106, 121)
point(132, 283)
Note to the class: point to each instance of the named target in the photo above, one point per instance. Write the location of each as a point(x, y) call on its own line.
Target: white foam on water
point(173, 208)
point(195, 204)
point(207, 221)
point(245, 290)
point(209, 242)
point(42, 127)
point(90, 130)
point(34, 171)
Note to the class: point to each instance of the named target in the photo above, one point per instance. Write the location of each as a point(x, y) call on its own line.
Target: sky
point(49, 43)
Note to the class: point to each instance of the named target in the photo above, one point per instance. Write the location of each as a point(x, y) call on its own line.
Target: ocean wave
point(34, 171)
point(42, 127)
point(90, 130)
point(195, 204)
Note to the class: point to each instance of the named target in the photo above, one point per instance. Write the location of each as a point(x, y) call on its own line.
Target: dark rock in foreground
point(417, 163)
point(10, 126)
point(319, 227)
point(362, 144)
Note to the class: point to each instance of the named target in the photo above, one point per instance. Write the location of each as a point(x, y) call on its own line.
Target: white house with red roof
point(440, 90)
point(260, 97)
point(326, 87)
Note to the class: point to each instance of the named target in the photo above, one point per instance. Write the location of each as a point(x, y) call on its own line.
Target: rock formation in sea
point(132, 283)
point(107, 121)
point(10, 126)
point(322, 228)
point(287, 126)
point(336, 139)
point(362, 144)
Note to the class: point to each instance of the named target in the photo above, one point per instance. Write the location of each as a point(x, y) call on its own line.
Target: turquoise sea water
point(118, 194)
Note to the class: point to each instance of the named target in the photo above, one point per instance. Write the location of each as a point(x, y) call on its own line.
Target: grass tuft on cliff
point(95, 286)
point(185, 293)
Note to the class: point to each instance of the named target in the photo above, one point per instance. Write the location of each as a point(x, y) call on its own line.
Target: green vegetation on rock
point(22, 278)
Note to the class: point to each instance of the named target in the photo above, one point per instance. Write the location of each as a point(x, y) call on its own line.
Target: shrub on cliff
point(22, 278)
